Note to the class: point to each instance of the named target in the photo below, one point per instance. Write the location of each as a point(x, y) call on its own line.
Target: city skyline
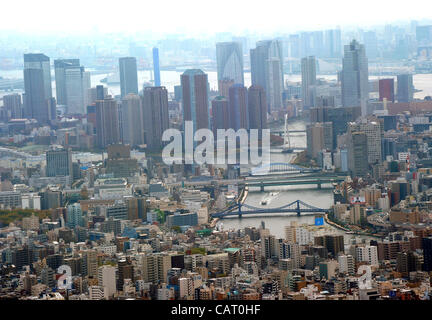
point(40, 17)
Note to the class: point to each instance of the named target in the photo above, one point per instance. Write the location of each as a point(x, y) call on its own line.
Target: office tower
point(357, 149)
point(333, 43)
point(59, 68)
point(257, 108)
point(269, 247)
point(319, 136)
point(72, 85)
point(107, 123)
point(229, 58)
point(239, 115)
point(354, 77)
point(128, 76)
point(405, 88)
point(13, 105)
point(156, 67)
point(101, 92)
point(132, 120)
point(74, 216)
point(386, 89)
point(427, 254)
point(194, 84)
point(220, 114)
point(372, 129)
point(267, 71)
point(107, 280)
point(327, 269)
point(155, 115)
point(371, 44)
point(308, 69)
point(59, 162)
point(38, 102)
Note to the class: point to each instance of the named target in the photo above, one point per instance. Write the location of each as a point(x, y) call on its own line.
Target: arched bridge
point(297, 207)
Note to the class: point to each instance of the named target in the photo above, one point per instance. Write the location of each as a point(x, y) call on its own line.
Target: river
point(282, 195)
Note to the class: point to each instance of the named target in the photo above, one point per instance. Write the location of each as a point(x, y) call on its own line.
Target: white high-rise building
point(107, 280)
point(367, 254)
point(346, 264)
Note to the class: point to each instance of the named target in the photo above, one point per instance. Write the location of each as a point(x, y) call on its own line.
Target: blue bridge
point(299, 207)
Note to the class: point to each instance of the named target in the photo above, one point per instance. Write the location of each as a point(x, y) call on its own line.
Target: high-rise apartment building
point(132, 120)
point(308, 71)
point(220, 113)
point(257, 108)
point(354, 77)
point(12, 103)
point(107, 280)
point(154, 267)
point(238, 106)
point(107, 122)
point(155, 115)
point(195, 89)
point(372, 129)
point(128, 76)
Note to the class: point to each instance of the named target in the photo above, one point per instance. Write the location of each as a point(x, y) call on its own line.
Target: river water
point(282, 195)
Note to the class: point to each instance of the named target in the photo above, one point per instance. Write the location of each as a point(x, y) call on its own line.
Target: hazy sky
point(203, 16)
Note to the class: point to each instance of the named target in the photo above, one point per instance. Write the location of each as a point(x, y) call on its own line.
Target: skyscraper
point(386, 89)
point(308, 69)
point(128, 76)
point(194, 84)
point(267, 70)
point(239, 115)
point(405, 88)
point(107, 122)
point(156, 68)
point(155, 115)
point(13, 105)
point(354, 77)
point(72, 85)
point(257, 108)
point(59, 68)
point(220, 113)
point(132, 120)
point(38, 103)
point(357, 148)
point(229, 58)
